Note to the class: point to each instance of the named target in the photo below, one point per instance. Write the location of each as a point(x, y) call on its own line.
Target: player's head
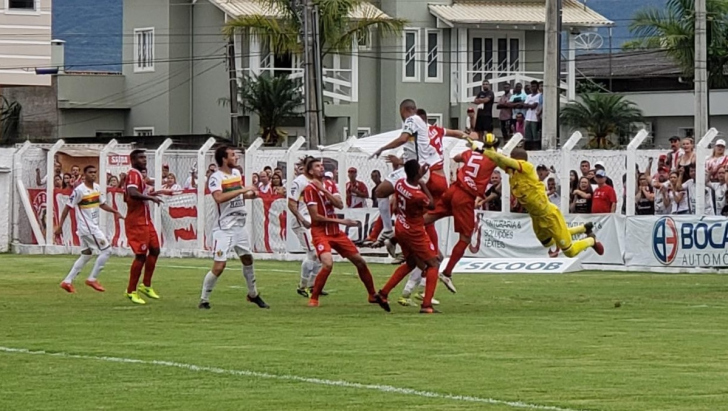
point(407, 108)
point(225, 156)
point(315, 168)
point(412, 169)
point(304, 165)
point(421, 113)
point(138, 159)
point(75, 170)
point(519, 154)
point(89, 173)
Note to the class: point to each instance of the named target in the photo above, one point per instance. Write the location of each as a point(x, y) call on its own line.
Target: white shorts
point(399, 174)
point(235, 238)
point(96, 240)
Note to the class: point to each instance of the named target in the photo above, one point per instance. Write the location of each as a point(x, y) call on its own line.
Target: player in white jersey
point(87, 199)
point(301, 227)
point(226, 187)
point(416, 141)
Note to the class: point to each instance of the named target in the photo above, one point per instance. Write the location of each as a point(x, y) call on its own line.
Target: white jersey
point(719, 191)
point(230, 213)
point(418, 146)
point(87, 202)
point(660, 207)
point(295, 193)
point(708, 207)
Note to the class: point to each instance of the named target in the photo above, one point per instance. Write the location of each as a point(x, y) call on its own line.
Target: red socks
point(366, 277)
point(134, 274)
point(430, 285)
point(320, 282)
point(376, 230)
point(399, 274)
point(457, 253)
point(149, 270)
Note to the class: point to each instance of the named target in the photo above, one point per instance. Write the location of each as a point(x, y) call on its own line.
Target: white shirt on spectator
point(660, 207)
point(719, 190)
point(691, 189)
point(532, 113)
point(188, 183)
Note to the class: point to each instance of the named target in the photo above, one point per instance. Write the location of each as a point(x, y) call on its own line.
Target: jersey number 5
point(472, 168)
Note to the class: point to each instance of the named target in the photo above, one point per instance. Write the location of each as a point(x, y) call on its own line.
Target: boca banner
point(677, 241)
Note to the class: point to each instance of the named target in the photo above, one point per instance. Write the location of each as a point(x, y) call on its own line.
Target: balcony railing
point(338, 83)
point(474, 80)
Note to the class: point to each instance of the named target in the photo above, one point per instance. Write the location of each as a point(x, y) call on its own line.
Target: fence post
point(703, 151)
point(50, 198)
point(631, 163)
point(505, 187)
point(290, 164)
point(201, 192)
point(103, 163)
point(566, 171)
point(342, 164)
point(158, 156)
point(17, 173)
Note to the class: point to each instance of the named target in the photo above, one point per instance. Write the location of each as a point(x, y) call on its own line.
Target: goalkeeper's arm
point(501, 160)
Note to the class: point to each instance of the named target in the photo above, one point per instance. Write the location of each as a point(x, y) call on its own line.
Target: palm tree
point(602, 115)
point(673, 29)
point(273, 99)
point(338, 29)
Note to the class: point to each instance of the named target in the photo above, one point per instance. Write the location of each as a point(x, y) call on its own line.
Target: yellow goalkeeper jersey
point(524, 182)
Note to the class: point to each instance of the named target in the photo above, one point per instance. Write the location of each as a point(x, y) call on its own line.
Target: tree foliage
point(601, 115)
point(672, 28)
point(273, 99)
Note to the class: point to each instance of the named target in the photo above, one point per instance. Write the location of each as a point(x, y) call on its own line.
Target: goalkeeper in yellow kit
point(548, 222)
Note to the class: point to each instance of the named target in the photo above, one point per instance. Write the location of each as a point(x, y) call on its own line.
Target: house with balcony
point(25, 42)
point(177, 66)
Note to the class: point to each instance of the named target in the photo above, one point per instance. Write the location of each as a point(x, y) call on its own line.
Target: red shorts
point(414, 241)
point(437, 184)
point(459, 204)
point(142, 238)
point(339, 242)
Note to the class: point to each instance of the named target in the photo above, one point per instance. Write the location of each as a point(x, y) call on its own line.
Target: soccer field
point(504, 342)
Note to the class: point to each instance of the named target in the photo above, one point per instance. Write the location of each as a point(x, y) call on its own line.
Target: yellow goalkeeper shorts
point(552, 225)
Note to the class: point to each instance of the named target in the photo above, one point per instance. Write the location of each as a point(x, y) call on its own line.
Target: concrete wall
point(676, 103)
point(180, 52)
point(86, 123)
point(39, 117)
point(210, 78)
point(91, 91)
point(25, 39)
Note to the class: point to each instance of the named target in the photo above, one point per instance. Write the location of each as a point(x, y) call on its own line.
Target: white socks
point(208, 284)
point(385, 213)
point(99, 265)
point(249, 275)
point(315, 268)
point(309, 268)
point(77, 267)
point(414, 279)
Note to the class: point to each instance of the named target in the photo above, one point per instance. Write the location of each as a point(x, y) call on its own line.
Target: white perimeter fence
point(185, 220)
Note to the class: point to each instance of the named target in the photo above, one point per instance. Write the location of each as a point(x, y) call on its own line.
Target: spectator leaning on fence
point(264, 182)
point(170, 183)
point(677, 199)
point(581, 198)
point(493, 193)
point(661, 185)
point(277, 187)
point(717, 160)
point(356, 191)
point(673, 156)
point(604, 199)
point(719, 192)
point(599, 165)
point(644, 196)
point(686, 182)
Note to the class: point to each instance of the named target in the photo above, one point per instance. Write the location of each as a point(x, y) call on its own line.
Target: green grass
point(545, 340)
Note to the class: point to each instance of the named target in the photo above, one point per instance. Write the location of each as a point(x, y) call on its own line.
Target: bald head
point(407, 108)
point(519, 154)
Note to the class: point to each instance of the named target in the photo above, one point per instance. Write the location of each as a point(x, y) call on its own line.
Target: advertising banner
point(677, 241)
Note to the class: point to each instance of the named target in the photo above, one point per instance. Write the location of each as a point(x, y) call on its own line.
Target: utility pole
point(701, 70)
point(311, 60)
point(551, 76)
point(234, 94)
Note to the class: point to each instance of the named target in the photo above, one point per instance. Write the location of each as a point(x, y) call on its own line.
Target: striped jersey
point(295, 193)
point(232, 212)
point(315, 197)
point(86, 201)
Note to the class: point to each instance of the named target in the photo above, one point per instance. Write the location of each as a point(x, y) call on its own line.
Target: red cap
point(165, 165)
point(663, 156)
point(352, 169)
point(471, 110)
point(665, 169)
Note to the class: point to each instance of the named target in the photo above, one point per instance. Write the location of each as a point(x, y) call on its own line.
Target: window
point(365, 41)
point(143, 50)
point(434, 119)
point(686, 132)
point(21, 5)
point(143, 131)
point(434, 61)
point(360, 132)
point(411, 67)
point(109, 134)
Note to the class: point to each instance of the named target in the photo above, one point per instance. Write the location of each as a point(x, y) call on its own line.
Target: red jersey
point(602, 199)
point(313, 196)
point(474, 175)
point(353, 201)
point(436, 133)
point(137, 211)
point(411, 203)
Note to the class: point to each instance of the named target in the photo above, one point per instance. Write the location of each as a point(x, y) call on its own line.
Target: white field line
point(294, 378)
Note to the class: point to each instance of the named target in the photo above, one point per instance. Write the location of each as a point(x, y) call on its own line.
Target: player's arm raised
point(456, 133)
point(501, 160)
point(402, 139)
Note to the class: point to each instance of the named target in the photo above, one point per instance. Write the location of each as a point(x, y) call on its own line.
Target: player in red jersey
point(460, 201)
point(321, 198)
point(140, 232)
point(413, 198)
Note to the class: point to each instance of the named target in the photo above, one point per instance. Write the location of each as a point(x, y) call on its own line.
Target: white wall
point(6, 185)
